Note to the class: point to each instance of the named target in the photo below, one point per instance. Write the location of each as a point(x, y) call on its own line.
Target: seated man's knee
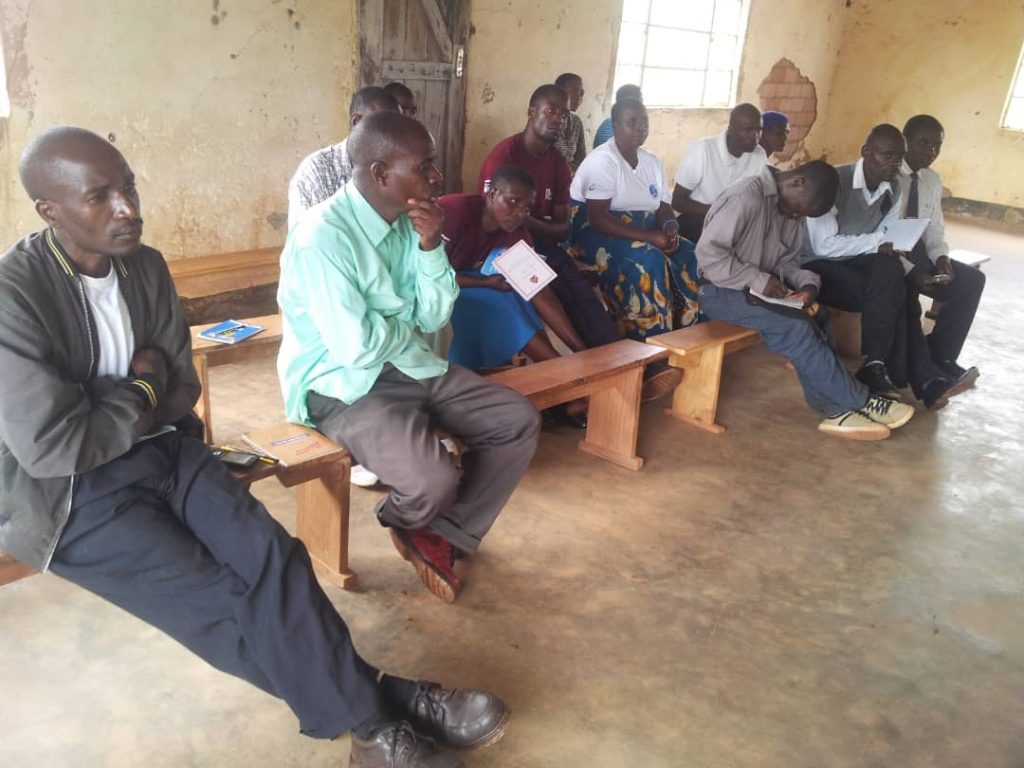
point(425, 494)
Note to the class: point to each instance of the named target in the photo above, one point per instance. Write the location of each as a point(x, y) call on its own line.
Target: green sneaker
point(885, 411)
point(854, 425)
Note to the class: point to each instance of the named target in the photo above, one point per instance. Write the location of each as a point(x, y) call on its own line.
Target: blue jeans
point(828, 386)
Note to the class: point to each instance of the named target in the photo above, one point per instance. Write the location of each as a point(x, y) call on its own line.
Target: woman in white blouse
point(623, 227)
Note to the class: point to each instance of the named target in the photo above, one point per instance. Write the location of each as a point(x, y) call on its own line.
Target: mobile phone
point(236, 459)
point(940, 279)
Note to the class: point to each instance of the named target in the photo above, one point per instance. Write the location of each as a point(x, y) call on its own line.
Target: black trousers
point(873, 284)
point(167, 534)
point(959, 305)
point(594, 325)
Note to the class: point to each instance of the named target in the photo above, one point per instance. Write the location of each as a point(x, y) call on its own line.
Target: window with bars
point(682, 53)
point(1013, 117)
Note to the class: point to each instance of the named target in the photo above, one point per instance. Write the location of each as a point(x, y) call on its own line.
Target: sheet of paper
point(904, 233)
point(524, 270)
point(786, 301)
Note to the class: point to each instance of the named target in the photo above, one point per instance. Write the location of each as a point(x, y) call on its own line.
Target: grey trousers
point(390, 431)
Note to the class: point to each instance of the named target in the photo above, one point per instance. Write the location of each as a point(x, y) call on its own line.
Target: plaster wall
point(955, 60)
point(517, 46)
point(213, 103)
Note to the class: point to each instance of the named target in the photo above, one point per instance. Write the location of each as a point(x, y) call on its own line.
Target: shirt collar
point(859, 182)
point(372, 223)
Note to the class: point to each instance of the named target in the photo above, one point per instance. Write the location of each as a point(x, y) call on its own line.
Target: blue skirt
point(649, 292)
point(490, 326)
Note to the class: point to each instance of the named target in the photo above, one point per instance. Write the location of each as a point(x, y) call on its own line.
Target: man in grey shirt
point(751, 245)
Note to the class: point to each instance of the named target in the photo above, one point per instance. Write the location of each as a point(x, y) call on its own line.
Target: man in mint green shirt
point(362, 274)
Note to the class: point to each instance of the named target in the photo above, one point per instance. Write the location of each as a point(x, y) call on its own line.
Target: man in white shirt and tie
point(958, 286)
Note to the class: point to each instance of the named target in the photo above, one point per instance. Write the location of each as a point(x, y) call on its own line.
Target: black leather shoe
point(459, 718)
point(398, 746)
point(936, 393)
point(960, 375)
point(875, 377)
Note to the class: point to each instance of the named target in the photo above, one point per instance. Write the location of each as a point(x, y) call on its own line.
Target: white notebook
point(524, 270)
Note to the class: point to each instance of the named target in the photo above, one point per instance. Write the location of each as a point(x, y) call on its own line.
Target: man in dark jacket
point(99, 486)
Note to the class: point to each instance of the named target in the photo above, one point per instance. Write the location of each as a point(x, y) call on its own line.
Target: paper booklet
point(524, 270)
point(230, 332)
point(786, 301)
point(289, 443)
point(904, 233)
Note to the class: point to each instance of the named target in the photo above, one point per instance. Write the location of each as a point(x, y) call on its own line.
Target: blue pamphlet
point(230, 332)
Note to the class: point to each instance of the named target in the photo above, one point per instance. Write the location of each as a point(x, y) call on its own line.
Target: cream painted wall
point(952, 59)
point(213, 103)
point(518, 46)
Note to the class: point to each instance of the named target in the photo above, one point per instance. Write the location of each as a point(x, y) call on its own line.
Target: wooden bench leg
point(203, 406)
point(695, 400)
point(322, 521)
point(613, 420)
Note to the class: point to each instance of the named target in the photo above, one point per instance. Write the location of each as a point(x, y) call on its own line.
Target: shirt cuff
point(434, 263)
point(760, 282)
point(148, 389)
point(908, 265)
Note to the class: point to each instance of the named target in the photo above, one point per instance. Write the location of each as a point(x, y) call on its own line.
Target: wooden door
point(422, 43)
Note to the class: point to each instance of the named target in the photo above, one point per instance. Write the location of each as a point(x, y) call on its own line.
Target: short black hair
point(362, 100)
point(823, 180)
point(621, 106)
point(920, 123)
point(744, 109)
point(626, 92)
point(397, 89)
point(546, 92)
point(567, 77)
point(513, 174)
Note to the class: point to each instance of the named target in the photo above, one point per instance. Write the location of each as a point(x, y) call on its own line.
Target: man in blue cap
point(774, 132)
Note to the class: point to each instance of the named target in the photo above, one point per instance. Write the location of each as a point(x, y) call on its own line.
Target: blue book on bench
point(230, 332)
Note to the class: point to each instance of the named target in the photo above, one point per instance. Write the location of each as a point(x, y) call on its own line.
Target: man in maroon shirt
point(534, 150)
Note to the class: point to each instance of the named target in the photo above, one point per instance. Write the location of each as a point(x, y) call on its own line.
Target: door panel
point(422, 43)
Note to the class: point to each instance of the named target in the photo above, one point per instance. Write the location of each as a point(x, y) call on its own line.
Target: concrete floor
point(767, 597)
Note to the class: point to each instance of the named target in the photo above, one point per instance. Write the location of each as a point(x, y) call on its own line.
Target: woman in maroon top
point(491, 322)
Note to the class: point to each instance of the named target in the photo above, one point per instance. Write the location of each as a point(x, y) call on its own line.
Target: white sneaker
point(854, 425)
point(363, 477)
point(889, 412)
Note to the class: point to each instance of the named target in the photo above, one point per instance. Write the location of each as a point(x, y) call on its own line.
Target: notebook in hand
point(230, 332)
point(290, 443)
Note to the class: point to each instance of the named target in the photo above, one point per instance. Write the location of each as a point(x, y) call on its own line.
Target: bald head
point(55, 155)
point(744, 129)
point(380, 136)
point(83, 188)
point(393, 161)
point(882, 133)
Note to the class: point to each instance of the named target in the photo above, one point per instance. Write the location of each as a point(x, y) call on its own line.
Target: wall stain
point(277, 220)
point(488, 94)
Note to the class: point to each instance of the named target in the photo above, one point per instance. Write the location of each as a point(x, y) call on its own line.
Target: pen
point(264, 459)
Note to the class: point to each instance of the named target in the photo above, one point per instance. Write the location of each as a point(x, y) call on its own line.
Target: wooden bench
point(208, 354)
point(321, 516)
point(216, 286)
point(611, 376)
point(699, 352)
point(11, 570)
point(322, 511)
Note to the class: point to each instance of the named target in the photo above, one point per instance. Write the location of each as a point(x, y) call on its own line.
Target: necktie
point(912, 197)
point(886, 203)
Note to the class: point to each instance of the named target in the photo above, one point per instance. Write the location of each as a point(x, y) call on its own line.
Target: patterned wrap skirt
point(648, 291)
